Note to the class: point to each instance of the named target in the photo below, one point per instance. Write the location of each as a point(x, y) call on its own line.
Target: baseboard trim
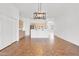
point(59, 36)
point(8, 46)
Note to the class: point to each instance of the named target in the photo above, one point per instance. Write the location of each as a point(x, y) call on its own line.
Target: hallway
point(35, 47)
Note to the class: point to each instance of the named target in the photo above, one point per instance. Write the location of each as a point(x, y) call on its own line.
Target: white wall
point(67, 25)
point(9, 10)
point(26, 26)
point(9, 30)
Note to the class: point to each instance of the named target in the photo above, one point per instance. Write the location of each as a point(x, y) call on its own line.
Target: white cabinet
point(39, 34)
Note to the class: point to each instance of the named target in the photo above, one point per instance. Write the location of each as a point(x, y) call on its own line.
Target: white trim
point(60, 36)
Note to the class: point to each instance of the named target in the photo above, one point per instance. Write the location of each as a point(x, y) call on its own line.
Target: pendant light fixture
point(39, 14)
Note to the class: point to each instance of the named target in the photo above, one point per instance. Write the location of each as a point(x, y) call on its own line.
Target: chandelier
point(39, 14)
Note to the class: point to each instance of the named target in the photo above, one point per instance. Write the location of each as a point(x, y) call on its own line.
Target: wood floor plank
point(41, 47)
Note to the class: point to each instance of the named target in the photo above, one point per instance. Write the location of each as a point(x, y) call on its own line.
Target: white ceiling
point(52, 9)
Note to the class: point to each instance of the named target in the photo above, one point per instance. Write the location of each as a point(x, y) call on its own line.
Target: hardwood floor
point(39, 47)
